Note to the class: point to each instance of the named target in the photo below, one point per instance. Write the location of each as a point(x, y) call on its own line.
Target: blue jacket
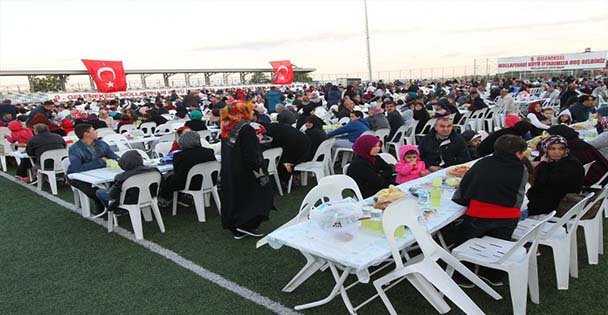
point(82, 159)
point(580, 113)
point(272, 99)
point(352, 130)
point(333, 97)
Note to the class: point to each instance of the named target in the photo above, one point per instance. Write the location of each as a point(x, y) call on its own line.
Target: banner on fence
point(590, 60)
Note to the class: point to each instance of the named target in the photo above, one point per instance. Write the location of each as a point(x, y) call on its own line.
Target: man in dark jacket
point(493, 192)
point(132, 164)
point(285, 116)
point(443, 147)
point(190, 100)
point(581, 110)
point(486, 147)
point(294, 143)
point(8, 111)
point(395, 120)
point(42, 141)
point(46, 108)
point(273, 97)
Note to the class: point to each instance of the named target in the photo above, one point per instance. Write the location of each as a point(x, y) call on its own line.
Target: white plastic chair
point(388, 158)
point(117, 140)
point(205, 134)
point(511, 257)
point(205, 170)
point(427, 127)
point(273, 156)
point(587, 167)
point(148, 128)
point(319, 168)
point(342, 183)
point(382, 134)
point(162, 149)
point(65, 163)
point(167, 116)
point(410, 133)
point(423, 271)
point(7, 148)
point(147, 185)
point(561, 239)
point(343, 121)
point(461, 125)
point(56, 156)
point(168, 137)
point(162, 129)
point(399, 139)
point(594, 228)
point(477, 118)
point(101, 132)
point(175, 125)
point(127, 128)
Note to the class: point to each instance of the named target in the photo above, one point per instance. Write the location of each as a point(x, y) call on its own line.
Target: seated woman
point(316, 135)
point(537, 119)
point(557, 174)
point(376, 119)
point(421, 115)
point(368, 170)
point(196, 122)
point(191, 154)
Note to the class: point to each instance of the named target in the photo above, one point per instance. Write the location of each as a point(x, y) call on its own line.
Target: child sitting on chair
point(409, 166)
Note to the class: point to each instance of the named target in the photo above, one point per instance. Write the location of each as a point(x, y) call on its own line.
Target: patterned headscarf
point(551, 140)
point(232, 114)
point(190, 139)
point(375, 109)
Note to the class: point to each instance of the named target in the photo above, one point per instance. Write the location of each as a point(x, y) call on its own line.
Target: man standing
point(395, 120)
point(46, 108)
point(87, 154)
point(443, 147)
point(580, 110)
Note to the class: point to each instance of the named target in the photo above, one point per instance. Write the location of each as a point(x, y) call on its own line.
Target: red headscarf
point(363, 147)
point(532, 110)
point(41, 118)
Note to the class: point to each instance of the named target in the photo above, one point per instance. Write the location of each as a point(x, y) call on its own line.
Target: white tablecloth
point(367, 248)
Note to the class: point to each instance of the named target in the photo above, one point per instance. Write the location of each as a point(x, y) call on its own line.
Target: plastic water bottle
point(423, 197)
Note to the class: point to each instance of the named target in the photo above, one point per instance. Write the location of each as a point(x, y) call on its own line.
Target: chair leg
point(146, 213)
point(110, 221)
point(207, 199)
point(157, 216)
point(304, 178)
point(592, 241)
point(518, 284)
point(561, 257)
point(532, 279)
point(573, 255)
point(435, 275)
point(601, 235)
point(76, 198)
point(85, 204)
point(289, 184)
point(40, 180)
point(135, 215)
point(53, 183)
point(174, 203)
point(278, 182)
point(199, 205)
point(3, 162)
point(429, 292)
point(216, 198)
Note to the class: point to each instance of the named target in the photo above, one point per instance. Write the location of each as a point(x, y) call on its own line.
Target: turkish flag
point(283, 72)
point(109, 76)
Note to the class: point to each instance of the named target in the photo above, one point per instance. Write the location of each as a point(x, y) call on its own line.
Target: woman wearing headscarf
point(41, 118)
point(376, 118)
point(104, 115)
point(537, 119)
point(246, 193)
point(421, 115)
point(307, 111)
point(369, 171)
point(316, 135)
point(486, 147)
point(196, 122)
point(584, 152)
point(557, 174)
point(191, 153)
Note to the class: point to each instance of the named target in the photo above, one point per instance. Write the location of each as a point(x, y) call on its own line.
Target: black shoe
point(251, 232)
point(462, 282)
point(493, 281)
point(238, 235)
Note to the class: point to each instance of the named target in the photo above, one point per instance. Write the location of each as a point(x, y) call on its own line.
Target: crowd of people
point(299, 119)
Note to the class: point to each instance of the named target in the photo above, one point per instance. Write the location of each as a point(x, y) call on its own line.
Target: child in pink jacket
point(19, 133)
point(410, 166)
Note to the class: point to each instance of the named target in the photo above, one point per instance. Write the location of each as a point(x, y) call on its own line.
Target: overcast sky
point(326, 35)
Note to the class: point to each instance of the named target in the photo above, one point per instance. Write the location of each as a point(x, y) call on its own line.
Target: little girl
point(409, 167)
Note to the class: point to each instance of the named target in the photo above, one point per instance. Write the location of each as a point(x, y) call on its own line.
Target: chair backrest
point(205, 134)
point(388, 158)
point(147, 184)
point(162, 148)
point(162, 129)
point(205, 170)
point(127, 128)
point(599, 199)
point(342, 183)
point(427, 127)
point(464, 119)
point(572, 216)
point(587, 167)
point(148, 128)
point(382, 134)
point(117, 140)
point(323, 192)
point(170, 137)
point(399, 135)
point(56, 155)
point(345, 169)
point(176, 125)
point(65, 164)
point(101, 132)
point(273, 156)
point(324, 153)
point(167, 116)
point(405, 212)
point(343, 121)
point(532, 236)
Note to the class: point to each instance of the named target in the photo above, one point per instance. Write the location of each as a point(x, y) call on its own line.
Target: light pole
point(369, 58)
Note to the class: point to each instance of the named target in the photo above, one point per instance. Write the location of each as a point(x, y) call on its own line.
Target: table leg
point(338, 289)
point(312, 265)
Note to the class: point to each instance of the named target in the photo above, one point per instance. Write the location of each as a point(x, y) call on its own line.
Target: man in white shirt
point(506, 101)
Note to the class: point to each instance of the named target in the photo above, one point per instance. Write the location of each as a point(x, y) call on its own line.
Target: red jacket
point(19, 133)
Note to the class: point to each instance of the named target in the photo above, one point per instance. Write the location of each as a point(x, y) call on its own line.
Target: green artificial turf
point(264, 270)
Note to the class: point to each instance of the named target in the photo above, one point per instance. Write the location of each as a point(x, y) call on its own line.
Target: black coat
point(395, 120)
point(43, 142)
point(486, 147)
point(452, 151)
point(552, 181)
point(245, 201)
point(370, 178)
point(294, 143)
point(315, 136)
point(196, 125)
point(183, 161)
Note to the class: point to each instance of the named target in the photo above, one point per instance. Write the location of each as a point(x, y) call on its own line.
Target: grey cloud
point(279, 42)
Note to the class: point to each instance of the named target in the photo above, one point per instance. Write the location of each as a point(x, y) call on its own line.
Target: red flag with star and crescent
point(109, 76)
point(283, 72)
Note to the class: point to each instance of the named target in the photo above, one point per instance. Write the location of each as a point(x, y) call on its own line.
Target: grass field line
point(235, 288)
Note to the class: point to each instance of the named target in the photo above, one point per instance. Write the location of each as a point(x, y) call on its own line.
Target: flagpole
point(369, 58)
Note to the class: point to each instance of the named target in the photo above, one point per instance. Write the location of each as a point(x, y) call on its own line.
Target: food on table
point(459, 171)
point(386, 196)
point(452, 181)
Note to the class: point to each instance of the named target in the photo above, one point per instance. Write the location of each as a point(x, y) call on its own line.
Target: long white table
point(365, 250)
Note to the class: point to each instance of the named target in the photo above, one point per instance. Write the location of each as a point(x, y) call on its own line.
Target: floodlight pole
point(369, 58)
